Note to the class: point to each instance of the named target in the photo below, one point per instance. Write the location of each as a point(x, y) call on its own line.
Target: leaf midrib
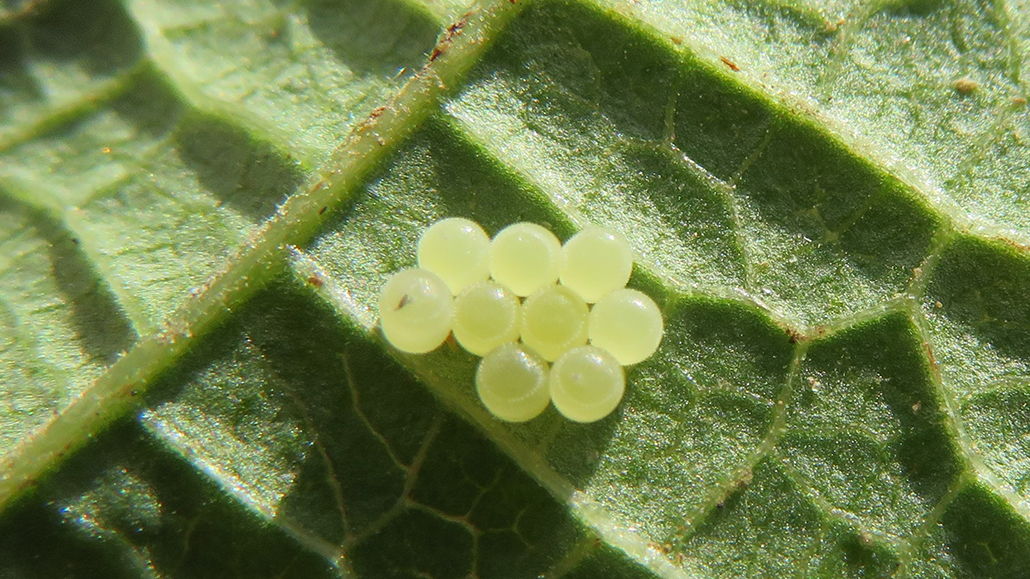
point(257, 260)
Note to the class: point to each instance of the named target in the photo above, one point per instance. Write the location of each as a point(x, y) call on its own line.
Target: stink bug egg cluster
point(553, 323)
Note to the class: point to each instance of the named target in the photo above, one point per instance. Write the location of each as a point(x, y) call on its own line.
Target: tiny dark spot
point(134, 393)
point(405, 300)
point(720, 505)
point(316, 281)
point(322, 210)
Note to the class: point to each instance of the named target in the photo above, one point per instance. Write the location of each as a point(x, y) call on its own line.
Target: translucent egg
point(486, 315)
point(512, 383)
point(554, 320)
point(597, 262)
point(525, 257)
point(457, 250)
point(628, 324)
point(587, 383)
point(416, 310)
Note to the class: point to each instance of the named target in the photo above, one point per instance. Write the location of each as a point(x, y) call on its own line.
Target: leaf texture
point(199, 202)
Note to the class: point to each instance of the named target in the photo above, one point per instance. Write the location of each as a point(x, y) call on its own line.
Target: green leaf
point(199, 202)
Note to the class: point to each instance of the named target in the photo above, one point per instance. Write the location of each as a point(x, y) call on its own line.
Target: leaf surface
point(199, 203)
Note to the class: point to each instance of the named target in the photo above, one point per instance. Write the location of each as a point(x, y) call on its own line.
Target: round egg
point(416, 311)
point(587, 384)
point(554, 320)
point(512, 382)
point(525, 257)
point(457, 250)
point(486, 315)
point(597, 262)
point(628, 324)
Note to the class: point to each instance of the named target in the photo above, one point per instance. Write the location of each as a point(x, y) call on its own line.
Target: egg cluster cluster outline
point(553, 323)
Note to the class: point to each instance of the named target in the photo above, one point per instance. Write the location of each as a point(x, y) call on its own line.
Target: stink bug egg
point(416, 310)
point(457, 250)
point(628, 324)
point(486, 315)
point(554, 320)
point(525, 257)
point(512, 383)
point(587, 383)
point(597, 262)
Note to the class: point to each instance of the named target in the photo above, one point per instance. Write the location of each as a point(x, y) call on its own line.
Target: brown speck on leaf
point(1019, 101)
point(745, 479)
point(323, 210)
point(733, 66)
point(316, 280)
point(917, 407)
point(457, 26)
point(376, 113)
point(938, 305)
point(832, 27)
point(437, 51)
point(929, 354)
point(676, 40)
point(966, 85)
